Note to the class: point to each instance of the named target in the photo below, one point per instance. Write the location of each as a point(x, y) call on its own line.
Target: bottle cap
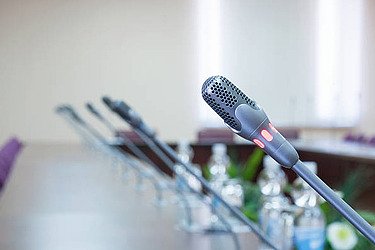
point(184, 151)
point(183, 145)
point(219, 148)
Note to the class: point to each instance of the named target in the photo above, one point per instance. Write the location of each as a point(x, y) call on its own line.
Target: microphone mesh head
point(223, 97)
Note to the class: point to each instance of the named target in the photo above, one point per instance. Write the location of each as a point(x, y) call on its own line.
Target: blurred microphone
point(83, 125)
point(67, 109)
point(127, 142)
point(129, 115)
point(247, 119)
point(90, 107)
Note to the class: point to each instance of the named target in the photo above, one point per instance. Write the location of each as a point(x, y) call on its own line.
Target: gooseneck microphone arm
point(247, 119)
point(90, 107)
point(137, 123)
point(127, 142)
point(74, 117)
point(151, 144)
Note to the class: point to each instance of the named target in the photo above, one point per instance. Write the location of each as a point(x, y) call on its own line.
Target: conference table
point(71, 197)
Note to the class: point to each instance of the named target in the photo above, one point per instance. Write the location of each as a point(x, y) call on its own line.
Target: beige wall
point(367, 123)
point(142, 51)
point(54, 51)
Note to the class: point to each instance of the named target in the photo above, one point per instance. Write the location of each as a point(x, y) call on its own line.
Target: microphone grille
point(223, 97)
point(217, 90)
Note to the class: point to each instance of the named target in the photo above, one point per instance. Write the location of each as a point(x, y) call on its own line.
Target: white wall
point(54, 51)
point(145, 52)
point(367, 122)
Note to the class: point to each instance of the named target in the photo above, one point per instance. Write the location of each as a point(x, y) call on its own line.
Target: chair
point(350, 137)
point(8, 154)
point(133, 136)
point(372, 141)
point(290, 133)
point(215, 135)
point(356, 138)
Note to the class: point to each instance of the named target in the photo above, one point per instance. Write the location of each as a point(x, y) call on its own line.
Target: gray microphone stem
point(329, 195)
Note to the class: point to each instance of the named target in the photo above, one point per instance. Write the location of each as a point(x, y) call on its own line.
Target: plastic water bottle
point(230, 189)
point(196, 214)
point(185, 153)
point(275, 216)
point(309, 230)
point(219, 163)
point(272, 178)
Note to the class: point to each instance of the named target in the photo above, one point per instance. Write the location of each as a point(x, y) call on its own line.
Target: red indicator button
point(259, 143)
point(272, 127)
point(266, 135)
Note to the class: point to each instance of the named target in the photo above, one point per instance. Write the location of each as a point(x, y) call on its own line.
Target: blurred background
point(308, 63)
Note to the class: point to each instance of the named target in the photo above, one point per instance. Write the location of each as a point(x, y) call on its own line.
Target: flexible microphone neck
point(69, 110)
point(127, 142)
point(95, 112)
point(126, 112)
point(77, 119)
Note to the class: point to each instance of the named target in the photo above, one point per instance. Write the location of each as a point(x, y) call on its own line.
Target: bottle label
point(309, 238)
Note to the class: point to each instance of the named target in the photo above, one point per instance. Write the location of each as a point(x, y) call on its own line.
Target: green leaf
point(330, 213)
point(251, 213)
point(252, 196)
point(288, 188)
point(206, 172)
point(252, 164)
point(368, 216)
point(233, 170)
point(356, 182)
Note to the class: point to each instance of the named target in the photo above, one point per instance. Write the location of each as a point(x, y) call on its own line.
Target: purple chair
point(8, 154)
point(131, 135)
point(356, 138)
point(350, 137)
point(372, 141)
point(215, 135)
point(361, 139)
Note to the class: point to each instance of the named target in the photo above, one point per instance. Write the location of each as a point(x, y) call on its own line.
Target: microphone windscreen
point(224, 97)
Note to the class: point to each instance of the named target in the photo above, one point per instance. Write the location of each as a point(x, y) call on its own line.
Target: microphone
point(94, 111)
point(124, 111)
point(128, 114)
point(247, 119)
point(69, 110)
point(86, 129)
point(127, 142)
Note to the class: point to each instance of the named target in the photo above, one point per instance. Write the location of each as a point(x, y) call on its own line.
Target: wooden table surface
point(68, 197)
